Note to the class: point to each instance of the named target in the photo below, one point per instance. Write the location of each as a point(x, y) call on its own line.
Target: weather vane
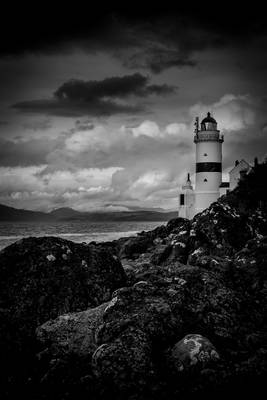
point(196, 125)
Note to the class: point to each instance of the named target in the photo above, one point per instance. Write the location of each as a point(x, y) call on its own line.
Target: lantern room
point(208, 123)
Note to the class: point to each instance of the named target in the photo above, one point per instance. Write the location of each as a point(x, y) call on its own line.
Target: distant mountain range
point(68, 214)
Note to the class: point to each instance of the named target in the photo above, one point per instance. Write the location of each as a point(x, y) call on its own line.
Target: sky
point(97, 108)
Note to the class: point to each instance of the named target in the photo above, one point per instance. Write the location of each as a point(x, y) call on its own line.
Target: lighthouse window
point(205, 180)
point(181, 199)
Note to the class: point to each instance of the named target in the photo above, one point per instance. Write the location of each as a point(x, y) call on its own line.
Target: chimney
point(256, 162)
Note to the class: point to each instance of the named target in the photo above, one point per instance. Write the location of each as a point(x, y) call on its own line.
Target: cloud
point(140, 164)
point(147, 128)
point(31, 186)
point(232, 112)
point(66, 108)
point(19, 179)
point(39, 125)
point(150, 185)
point(27, 152)
point(96, 98)
point(121, 87)
point(93, 165)
point(153, 39)
point(84, 140)
point(102, 147)
point(177, 129)
point(151, 129)
point(158, 58)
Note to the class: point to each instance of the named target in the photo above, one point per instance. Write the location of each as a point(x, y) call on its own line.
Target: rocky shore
point(177, 312)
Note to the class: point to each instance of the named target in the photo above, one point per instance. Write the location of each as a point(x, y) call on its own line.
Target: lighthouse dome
point(208, 123)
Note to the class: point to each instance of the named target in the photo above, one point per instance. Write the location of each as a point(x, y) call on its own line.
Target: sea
point(76, 231)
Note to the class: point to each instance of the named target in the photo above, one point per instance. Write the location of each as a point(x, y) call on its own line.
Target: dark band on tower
point(208, 167)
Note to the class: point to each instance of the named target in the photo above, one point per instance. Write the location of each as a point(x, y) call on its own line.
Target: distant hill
point(68, 214)
point(121, 216)
point(64, 212)
point(14, 214)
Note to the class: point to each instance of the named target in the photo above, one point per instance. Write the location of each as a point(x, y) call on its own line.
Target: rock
point(141, 307)
point(135, 246)
point(210, 262)
point(124, 365)
point(67, 344)
point(40, 279)
point(160, 232)
point(179, 250)
point(193, 351)
point(71, 334)
point(206, 276)
point(177, 225)
point(156, 241)
point(219, 230)
point(137, 331)
point(161, 253)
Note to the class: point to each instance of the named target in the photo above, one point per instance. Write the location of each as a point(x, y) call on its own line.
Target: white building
point(240, 169)
point(209, 186)
point(187, 200)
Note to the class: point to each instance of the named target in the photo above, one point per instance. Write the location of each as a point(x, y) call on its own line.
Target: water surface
point(77, 231)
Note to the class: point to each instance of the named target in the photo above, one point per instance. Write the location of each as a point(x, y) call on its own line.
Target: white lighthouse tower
point(208, 163)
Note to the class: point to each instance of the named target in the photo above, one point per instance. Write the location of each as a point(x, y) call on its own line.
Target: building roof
point(242, 164)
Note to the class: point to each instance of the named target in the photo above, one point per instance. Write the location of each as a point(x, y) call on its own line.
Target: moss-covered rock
point(40, 279)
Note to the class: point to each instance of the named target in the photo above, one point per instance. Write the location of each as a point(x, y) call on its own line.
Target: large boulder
point(67, 344)
point(71, 334)
point(40, 279)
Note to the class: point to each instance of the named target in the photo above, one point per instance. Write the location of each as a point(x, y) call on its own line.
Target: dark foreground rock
point(41, 278)
point(179, 331)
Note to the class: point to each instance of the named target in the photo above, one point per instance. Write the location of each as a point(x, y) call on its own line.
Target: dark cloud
point(66, 108)
point(136, 84)
point(158, 59)
point(159, 90)
point(96, 98)
point(155, 39)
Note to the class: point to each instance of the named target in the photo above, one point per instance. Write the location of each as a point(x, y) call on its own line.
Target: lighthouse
point(208, 180)
point(208, 142)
